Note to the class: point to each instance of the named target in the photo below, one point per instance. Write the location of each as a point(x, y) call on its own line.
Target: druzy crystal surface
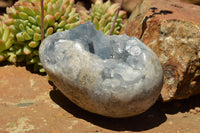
point(115, 76)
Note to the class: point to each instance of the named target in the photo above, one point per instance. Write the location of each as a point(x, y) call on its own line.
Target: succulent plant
point(24, 21)
point(20, 30)
point(103, 15)
point(5, 40)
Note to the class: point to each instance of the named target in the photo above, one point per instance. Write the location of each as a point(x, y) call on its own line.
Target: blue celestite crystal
point(115, 76)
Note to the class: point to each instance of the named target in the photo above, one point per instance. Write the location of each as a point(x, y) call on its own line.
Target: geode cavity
point(114, 76)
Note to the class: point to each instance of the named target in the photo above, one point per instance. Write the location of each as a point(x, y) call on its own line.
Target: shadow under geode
point(150, 119)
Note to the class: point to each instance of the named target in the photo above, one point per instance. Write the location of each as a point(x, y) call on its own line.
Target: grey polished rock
point(115, 76)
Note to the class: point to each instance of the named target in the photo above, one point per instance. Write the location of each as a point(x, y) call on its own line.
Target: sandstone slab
point(172, 30)
point(29, 104)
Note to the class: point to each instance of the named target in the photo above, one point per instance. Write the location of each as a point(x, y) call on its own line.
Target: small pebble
point(185, 116)
point(193, 83)
point(193, 111)
point(197, 109)
point(170, 123)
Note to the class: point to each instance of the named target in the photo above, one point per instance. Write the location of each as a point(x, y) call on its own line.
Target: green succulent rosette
point(6, 42)
point(20, 27)
point(103, 15)
point(24, 22)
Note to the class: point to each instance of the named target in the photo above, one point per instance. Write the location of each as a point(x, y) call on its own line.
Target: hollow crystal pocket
point(115, 76)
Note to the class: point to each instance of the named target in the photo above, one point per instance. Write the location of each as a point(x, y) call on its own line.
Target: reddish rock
point(172, 30)
point(197, 2)
point(128, 5)
point(5, 3)
point(28, 104)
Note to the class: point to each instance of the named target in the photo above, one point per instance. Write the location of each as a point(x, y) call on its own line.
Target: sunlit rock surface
point(114, 76)
point(172, 30)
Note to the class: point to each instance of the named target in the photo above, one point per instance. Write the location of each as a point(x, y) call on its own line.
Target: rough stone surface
point(172, 30)
point(128, 5)
point(5, 3)
point(197, 2)
point(29, 104)
point(115, 76)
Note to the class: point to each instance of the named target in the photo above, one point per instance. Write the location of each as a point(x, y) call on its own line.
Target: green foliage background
point(20, 27)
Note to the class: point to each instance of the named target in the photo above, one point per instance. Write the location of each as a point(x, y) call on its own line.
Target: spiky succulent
point(103, 15)
point(24, 21)
point(20, 32)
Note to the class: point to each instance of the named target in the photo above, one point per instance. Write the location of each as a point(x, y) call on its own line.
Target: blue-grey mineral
point(115, 76)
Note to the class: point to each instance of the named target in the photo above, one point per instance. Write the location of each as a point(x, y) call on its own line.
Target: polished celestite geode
point(115, 76)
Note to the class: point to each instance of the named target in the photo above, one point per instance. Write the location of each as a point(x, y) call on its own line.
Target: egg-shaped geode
point(115, 76)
